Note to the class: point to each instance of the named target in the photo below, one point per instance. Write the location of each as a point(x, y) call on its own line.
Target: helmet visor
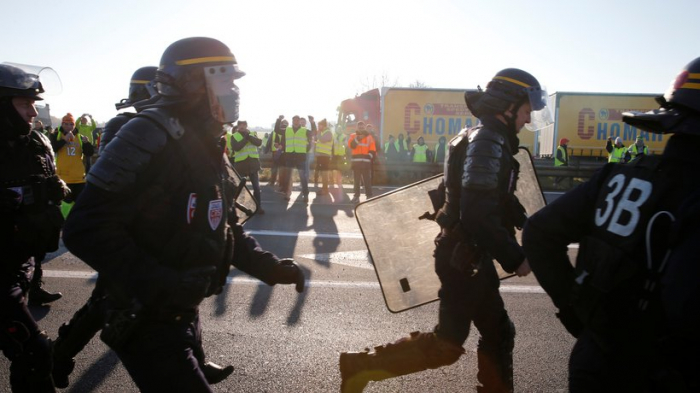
point(541, 116)
point(224, 95)
point(38, 77)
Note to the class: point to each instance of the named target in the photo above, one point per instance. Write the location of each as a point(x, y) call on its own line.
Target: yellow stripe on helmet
point(139, 81)
point(691, 86)
point(511, 80)
point(211, 59)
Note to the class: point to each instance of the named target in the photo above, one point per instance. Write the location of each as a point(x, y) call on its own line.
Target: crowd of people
point(156, 216)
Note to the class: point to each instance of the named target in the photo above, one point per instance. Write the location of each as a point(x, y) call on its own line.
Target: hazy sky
point(304, 57)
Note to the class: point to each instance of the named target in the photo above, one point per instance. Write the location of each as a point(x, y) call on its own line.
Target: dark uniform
point(478, 220)
point(89, 319)
point(30, 224)
point(157, 220)
point(74, 335)
point(632, 300)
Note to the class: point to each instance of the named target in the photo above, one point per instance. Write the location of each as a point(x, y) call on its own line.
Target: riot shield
point(246, 205)
point(401, 244)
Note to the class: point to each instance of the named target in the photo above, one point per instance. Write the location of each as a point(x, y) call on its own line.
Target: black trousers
point(163, 357)
point(362, 175)
point(465, 298)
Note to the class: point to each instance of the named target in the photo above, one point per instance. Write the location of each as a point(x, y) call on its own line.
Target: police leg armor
point(30, 371)
point(408, 355)
point(495, 358)
point(76, 334)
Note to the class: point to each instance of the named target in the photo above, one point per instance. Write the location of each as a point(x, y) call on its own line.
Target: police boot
point(62, 368)
point(38, 295)
point(215, 373)
point(496, 362)
point(408, 355)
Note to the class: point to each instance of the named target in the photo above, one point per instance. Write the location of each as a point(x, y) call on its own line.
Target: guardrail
point(403, 173)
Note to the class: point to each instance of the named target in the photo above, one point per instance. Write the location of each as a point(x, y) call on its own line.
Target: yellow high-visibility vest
point(296, 142)
point(324, 148)
point(249, 150)
point(420, 153)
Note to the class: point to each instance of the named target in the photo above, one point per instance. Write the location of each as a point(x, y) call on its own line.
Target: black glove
point(56, 189)
point(567, 316)
point(288, 272)
point(9, 200)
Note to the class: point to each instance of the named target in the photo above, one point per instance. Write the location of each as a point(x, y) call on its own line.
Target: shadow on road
point(92, 378)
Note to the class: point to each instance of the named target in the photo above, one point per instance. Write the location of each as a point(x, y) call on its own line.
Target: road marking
point(339, 235)
point(360, 259)
point(90, 275)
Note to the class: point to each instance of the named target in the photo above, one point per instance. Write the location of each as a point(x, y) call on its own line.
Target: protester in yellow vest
point(295, 140)
point(324, 151)
point(227, 149)
point(70, 149)
point(339, 154)
point(616, 152)
point(440, 150)
point(247, 159)
point(638, 148)
point(561, 158)
point(274, 146)
point(86, 127)
point(419, 152)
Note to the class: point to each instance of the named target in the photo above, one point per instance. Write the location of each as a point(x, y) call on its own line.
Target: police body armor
point(184, 211)
point(474, 161)
point(34, 225)
point(112, 127)
point(617, 277)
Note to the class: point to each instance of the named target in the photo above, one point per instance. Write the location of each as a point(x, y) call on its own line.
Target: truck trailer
point(587, 120)
point(430, 113)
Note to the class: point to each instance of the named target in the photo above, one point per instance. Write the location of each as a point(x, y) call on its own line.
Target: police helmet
point(511, 86)
point(679, 110)
point(14, 82)
point(685, 90)
point(193, 66)
point(141, 87)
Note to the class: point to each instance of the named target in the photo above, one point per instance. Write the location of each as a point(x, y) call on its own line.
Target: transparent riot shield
point(401, 244)
point(246, 205)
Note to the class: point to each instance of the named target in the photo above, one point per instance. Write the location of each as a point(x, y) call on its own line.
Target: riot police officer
point(157, 219)
point(89, 319)
point(632, 299)
point(30, 225)
point(477, 219)
point(142, 91)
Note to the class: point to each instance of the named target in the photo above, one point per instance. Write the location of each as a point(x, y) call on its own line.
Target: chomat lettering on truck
point(587, 120)
point(415, 112)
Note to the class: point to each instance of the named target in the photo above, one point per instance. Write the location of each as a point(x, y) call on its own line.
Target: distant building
point(44, 113)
